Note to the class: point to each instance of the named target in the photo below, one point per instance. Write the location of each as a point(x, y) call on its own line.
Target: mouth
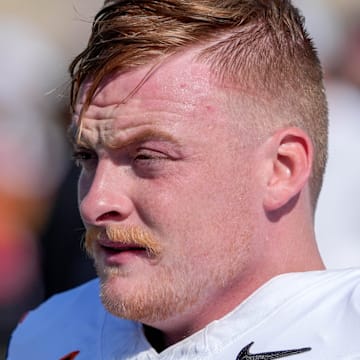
point(117, 253)
point(120, 248)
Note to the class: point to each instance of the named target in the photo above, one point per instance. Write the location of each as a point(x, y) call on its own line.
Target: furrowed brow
point(142, 136)
point(118, 143)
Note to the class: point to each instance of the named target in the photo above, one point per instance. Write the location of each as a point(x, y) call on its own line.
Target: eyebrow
point(117, 143)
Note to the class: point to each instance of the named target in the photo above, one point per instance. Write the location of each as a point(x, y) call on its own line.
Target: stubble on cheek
point(150, 293)
point(152, 299)
point(170, 287)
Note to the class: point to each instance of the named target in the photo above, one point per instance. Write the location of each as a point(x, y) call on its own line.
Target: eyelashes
point(142, 160)
point(83, 157)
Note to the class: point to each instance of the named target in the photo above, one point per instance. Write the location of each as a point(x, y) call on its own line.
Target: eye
point(144, 155)
point(146, 160)
point(84, 158)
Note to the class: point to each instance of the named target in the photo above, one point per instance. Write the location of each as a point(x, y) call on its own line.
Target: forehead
point(179, 77)
point(177, 92)
point(176, 75)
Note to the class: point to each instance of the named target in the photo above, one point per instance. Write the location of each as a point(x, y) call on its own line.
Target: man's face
point(167, 192)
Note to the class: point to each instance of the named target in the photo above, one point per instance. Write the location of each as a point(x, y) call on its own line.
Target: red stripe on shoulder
point(70, 356)
point(23, 317)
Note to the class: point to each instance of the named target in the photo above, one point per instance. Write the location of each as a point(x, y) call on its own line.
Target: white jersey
point(313, 315)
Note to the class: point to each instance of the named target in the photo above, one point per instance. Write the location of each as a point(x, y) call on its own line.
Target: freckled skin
point(199, 192)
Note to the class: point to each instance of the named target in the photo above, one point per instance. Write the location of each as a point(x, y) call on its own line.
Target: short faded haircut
point(260, 44)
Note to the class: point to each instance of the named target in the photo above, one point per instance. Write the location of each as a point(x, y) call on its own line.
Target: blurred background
point(40, 229)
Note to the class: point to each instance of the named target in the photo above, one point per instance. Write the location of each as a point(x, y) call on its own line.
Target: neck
point(213, 306)
point(156, 338)
point(286, 249)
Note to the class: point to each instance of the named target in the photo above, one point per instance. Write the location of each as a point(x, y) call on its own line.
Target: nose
point(103, 196)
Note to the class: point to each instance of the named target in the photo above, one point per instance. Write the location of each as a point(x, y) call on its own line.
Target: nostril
point(109, 215)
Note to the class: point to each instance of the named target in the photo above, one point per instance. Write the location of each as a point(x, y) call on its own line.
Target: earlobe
point(291, 162)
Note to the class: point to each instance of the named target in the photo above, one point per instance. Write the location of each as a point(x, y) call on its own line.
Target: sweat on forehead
point(177, 73)
point(177, 85)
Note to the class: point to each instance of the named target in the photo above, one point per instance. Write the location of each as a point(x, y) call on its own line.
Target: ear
point(290, 160)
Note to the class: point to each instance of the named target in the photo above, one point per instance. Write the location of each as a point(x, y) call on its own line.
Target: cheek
point(208, 203)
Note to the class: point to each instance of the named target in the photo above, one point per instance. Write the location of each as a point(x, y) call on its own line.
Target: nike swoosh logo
point(245, 355)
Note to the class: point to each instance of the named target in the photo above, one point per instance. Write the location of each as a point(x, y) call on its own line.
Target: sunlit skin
point(173, 161)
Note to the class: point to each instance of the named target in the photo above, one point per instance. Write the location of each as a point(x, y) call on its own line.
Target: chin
point(149, 298)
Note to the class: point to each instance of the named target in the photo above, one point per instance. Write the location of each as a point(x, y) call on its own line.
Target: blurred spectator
point(336, 32)
point(34, 157)
point(338, 214)
point(32, 160)
point(347, 67)
point(65, 264)
point(325, 26)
